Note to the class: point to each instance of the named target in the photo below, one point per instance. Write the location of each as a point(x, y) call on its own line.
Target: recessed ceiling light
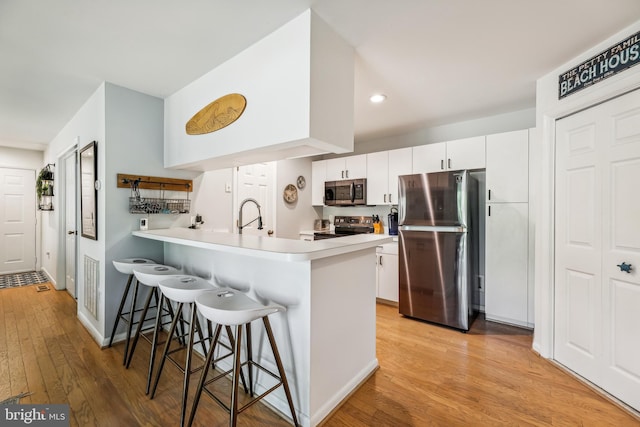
point(377, 98)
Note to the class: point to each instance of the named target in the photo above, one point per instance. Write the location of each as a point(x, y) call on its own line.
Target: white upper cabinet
point(467, 153)
point(318, 177)
point(383, 169)
point(508, 167)
point(429, 158)
point(351, 167)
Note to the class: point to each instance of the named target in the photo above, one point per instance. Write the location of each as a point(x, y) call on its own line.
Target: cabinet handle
point(449, 163)
point(380, 260)
point(342, 174)
point(441, 164)
point(489, 210)
point(489, 194)
point(385, 198)
point(623, 267)
point(347, 171)
point(389, 197)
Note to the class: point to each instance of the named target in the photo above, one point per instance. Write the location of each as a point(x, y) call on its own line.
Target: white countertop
point(265, 247)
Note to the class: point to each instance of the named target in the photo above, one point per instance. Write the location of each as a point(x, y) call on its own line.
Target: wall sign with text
point(607, 63)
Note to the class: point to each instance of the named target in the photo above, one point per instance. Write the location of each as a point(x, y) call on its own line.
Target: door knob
point(625, 267)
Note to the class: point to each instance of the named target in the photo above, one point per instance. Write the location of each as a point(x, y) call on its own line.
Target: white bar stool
point(182, 290)
point(232, 308)
point(126, 266)
point(150, 275)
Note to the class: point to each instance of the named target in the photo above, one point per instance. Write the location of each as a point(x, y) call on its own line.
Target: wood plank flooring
point(428, 376)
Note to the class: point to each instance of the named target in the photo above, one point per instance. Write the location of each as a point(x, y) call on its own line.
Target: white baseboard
point(51, 279)
point(97, 336)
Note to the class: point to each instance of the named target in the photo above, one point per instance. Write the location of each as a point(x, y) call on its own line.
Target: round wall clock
point(301, 182)
point(290, 193)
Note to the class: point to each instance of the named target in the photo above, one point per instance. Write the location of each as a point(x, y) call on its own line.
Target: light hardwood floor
point(428, 375)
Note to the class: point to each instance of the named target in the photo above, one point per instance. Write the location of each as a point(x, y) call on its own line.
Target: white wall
point(133, 145)
point(128, 128)
point(292, 218)
point(212, 201)
point(87, 125)
point(549, 108)
point(16, 158)
point(277, 76)
point(516, 120)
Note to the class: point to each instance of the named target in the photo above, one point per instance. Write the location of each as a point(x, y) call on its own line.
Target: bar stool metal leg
point(152, 293)
point(122, 303)
point(283, 376)
point(233, 420)
point(132, 312)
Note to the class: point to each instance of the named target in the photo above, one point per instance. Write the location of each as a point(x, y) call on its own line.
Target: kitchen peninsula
point(327, 336)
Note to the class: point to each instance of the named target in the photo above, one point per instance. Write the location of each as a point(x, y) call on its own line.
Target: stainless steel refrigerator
point(438, 244)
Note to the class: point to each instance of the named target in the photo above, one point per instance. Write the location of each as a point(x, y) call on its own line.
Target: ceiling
point(438, 61)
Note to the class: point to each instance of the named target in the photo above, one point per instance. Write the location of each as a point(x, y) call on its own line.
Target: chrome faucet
point(259, 218)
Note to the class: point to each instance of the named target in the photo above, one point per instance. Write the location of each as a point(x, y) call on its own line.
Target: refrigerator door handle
point(430, 228)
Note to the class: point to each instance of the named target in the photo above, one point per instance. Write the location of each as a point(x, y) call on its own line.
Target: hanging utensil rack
point(156, 205)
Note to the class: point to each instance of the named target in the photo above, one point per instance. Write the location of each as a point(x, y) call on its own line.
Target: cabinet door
point(377, 178)
point(467, 153)
point(388, 276)
point(318, 177)
point(508, 167)
point(429, 158)
point(399, 164)
point(506, 260)
point(335, 169)
point(356, 166)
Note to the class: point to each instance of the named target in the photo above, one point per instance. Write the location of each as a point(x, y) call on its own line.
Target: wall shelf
point(156, 205)
point(44, 188)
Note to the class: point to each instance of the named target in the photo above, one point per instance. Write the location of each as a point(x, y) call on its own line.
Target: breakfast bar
point(327, 336)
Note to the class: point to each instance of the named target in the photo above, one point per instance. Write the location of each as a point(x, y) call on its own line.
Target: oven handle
point(352, 192)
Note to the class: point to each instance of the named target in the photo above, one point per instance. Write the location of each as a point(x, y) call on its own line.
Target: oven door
point(330, 193)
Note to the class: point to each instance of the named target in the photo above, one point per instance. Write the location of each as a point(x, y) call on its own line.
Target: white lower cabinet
point(387, 272)
point(506, 263)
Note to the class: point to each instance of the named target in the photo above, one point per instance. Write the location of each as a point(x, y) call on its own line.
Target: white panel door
point(621, 244)
point(17, 220)
point(597, 327)
point(578, 274)
point(256, 182)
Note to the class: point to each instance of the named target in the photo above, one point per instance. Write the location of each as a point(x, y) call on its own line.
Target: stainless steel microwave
point(348, 192)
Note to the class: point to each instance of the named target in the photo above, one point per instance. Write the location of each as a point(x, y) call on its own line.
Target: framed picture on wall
point(88, 192)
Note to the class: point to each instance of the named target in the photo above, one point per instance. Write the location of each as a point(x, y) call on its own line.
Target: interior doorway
point(68, 218)
point(256, 182)
point(597, 246)
point(17, 220)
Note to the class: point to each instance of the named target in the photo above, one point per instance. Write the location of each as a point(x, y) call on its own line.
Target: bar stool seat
point(150, 275)
point(183, 289)
point(126, 266)
point(232, 308)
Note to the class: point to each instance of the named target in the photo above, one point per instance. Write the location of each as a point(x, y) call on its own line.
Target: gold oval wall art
point(218, 114)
